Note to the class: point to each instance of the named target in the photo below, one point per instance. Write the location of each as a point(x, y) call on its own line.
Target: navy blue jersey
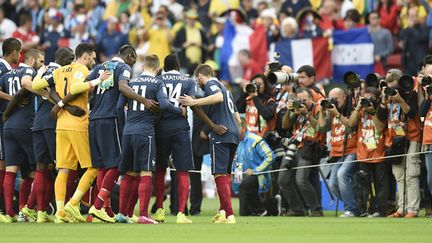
point(222, 113)
point(139, 121)
point(4, 67)
point(22, 117)
point(106, 94)
point(177, 85)
point(43, 119)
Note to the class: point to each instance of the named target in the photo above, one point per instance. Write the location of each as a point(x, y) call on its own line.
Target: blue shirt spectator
point(255, 154)
point(110, 39)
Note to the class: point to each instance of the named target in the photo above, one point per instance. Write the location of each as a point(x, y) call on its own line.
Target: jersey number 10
point(14, 85)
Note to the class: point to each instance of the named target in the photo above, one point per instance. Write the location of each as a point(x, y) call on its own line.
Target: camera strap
point(316, 89)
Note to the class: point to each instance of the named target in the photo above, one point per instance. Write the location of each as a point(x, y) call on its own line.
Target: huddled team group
point(57, 129)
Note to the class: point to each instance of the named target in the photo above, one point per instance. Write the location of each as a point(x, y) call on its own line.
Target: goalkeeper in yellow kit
point(72, 143)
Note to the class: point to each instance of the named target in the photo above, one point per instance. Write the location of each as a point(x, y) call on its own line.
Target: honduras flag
point(298, 52)
point(353, 51)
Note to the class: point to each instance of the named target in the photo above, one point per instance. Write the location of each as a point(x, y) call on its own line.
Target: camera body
point(366, 102)
point(390, 92)
point(276, 65)
point(252, 87)
point(297, 103)
point(426, 81)
point(329, 103)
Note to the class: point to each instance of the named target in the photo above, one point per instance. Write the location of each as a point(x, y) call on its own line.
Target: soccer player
point(173, 138)
point(221, 110)
point(72, 143)
point(43, 133)
point(138, 155)
point(11, 48)
point(104, 129)
point(19, 154)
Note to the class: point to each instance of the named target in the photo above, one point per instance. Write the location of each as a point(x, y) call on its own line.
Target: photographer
point(399, 109)
point(302, 117)
point(370, 145)
point(425, 111)
point(259, 105)
point(253, 155)
point(306, 79)
point(334, 116)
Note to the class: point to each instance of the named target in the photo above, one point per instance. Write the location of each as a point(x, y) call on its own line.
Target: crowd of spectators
point(194, 30)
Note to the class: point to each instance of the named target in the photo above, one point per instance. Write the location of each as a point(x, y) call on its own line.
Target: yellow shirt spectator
point(159, 40)
point(421, 14)
point(217, 7)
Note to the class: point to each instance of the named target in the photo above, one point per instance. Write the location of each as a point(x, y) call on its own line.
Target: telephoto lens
point(290, 154)
point(282, 78)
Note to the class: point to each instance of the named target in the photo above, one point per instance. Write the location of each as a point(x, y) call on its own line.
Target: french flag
point(238, 37)
point(298, 52)
point(353, 51)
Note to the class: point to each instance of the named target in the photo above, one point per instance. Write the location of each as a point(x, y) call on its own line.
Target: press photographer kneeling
point(399, 109)
point(302, 117)
point(253, 156)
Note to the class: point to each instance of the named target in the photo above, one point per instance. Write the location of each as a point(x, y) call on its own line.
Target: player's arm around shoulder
point(213, 99)
point(78, 85)
point(42, 81)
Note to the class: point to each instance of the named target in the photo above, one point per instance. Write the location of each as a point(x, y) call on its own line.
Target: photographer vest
point(370, 142)
point(427, 129)
point(338, 136)
point(399, 125)
point(255, 122)
point(309, 132)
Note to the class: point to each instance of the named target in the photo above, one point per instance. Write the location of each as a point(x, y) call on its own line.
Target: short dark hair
point(353, 15)
point(10, 45)
point(374, 91)
point(151, 61)
point(426, 60)
point(205, 70)
point(308, 69)
point(171, 62)
point(32, 53)
point(84, 48)
point(127, 50)
point(374, 12)
point(64, 56)
point(24, 18)
point(302, 90)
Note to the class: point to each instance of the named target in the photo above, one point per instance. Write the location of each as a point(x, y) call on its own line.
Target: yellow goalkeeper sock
point(60, 191)
point(84, 185)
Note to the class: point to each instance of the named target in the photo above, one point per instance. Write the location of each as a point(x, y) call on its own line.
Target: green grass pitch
point(247, 229)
